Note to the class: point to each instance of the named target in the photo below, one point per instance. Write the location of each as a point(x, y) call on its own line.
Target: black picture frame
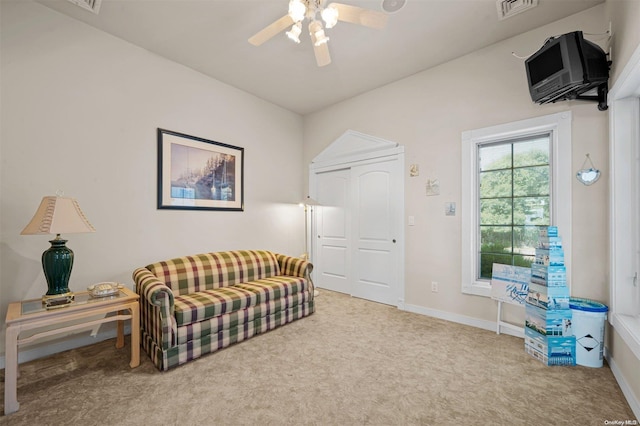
point(199, 174)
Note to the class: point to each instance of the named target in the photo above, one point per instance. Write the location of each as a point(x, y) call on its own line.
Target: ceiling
point(210, 36)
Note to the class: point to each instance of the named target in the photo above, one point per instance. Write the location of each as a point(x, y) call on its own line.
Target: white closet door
point(332, 247)
point(375, 222)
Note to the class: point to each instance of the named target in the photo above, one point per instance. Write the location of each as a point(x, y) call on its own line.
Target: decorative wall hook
point(588, 176)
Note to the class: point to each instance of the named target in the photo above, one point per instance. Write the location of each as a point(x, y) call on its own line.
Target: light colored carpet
point(353, 362)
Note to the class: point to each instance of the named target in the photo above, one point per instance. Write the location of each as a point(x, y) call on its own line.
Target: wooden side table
point(31, 315)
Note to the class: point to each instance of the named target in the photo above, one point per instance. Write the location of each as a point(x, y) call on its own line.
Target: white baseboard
point(631, 397)
point(64, 344)
point(463, 319)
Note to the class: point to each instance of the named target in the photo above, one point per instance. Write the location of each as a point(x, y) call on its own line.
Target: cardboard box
point(550, 257)
point(550, 276)
point(549, 283)
point(553, 353)
point(549, 242)
point(550, 350)
point(548, 298)
point(551, 322)
point(548, 231)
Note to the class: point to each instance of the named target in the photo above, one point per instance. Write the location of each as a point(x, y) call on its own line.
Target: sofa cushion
point(202, 305)
point(208, 271)
point(253, 316)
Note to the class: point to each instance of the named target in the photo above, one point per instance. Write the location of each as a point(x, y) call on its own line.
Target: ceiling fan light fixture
point(297, 10)
point(318, 37)
point(294, 32)
point(321, 14)
point(321, 38)
point(330, 16)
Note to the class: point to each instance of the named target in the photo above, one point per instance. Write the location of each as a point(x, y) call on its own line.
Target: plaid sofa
point(193, 305)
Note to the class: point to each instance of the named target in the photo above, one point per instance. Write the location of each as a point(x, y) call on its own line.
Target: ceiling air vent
point(90, 5)
point(508, 8)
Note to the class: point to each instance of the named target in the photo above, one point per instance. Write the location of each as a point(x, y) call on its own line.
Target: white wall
point(624, 16)
point(80, 110)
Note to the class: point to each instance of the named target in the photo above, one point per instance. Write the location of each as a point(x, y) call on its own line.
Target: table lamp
point(57, 215)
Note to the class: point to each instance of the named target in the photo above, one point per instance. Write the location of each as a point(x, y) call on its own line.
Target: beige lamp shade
point(58, 215)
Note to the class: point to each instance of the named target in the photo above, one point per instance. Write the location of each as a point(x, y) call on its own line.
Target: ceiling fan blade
point(360, 16)
point(322, 54)
point(271, 30)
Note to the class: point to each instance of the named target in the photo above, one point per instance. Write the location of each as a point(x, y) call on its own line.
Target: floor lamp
point(308, 204)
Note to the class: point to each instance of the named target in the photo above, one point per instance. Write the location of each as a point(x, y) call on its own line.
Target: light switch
point(412, 220)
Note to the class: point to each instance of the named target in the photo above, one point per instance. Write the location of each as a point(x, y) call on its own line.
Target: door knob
point(394, 241)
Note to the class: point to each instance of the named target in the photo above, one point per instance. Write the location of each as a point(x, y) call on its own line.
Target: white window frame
point(559, 125)
point(624, 232)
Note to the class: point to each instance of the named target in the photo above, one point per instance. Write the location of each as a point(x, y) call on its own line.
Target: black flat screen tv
point(566, 67)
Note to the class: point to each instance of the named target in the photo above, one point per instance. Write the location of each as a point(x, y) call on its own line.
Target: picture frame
point(199, 174)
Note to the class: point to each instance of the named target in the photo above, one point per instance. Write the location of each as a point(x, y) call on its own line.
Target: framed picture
point(199, 174)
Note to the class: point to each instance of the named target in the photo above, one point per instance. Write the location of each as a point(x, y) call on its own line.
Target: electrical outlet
point(434, 286)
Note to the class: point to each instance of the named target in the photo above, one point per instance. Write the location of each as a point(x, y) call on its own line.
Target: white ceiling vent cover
point(90, 5)
point(508, 8)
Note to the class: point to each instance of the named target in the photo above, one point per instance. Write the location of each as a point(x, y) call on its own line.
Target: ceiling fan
point(329, 14)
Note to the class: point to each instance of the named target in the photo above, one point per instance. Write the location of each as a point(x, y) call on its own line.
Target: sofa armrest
point(294, 266)
point(151, 289)
point(156, 308)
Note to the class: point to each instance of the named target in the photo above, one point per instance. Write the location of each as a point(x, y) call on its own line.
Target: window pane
point(493, 157)
point(531, 153)
point(496, 184)
point(524, 261)
point(531, 211)
point(496, 212)
point(487, 261)
point(531, 181)
point(495, 239)
point(525, 239)
point(514, 198)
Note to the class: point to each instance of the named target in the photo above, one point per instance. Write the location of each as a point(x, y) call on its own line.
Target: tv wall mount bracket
point(600, 97)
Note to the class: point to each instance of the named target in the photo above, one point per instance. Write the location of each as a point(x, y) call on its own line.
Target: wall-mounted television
point(567, 67)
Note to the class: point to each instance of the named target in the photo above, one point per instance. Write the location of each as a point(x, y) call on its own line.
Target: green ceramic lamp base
point(57, 262)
